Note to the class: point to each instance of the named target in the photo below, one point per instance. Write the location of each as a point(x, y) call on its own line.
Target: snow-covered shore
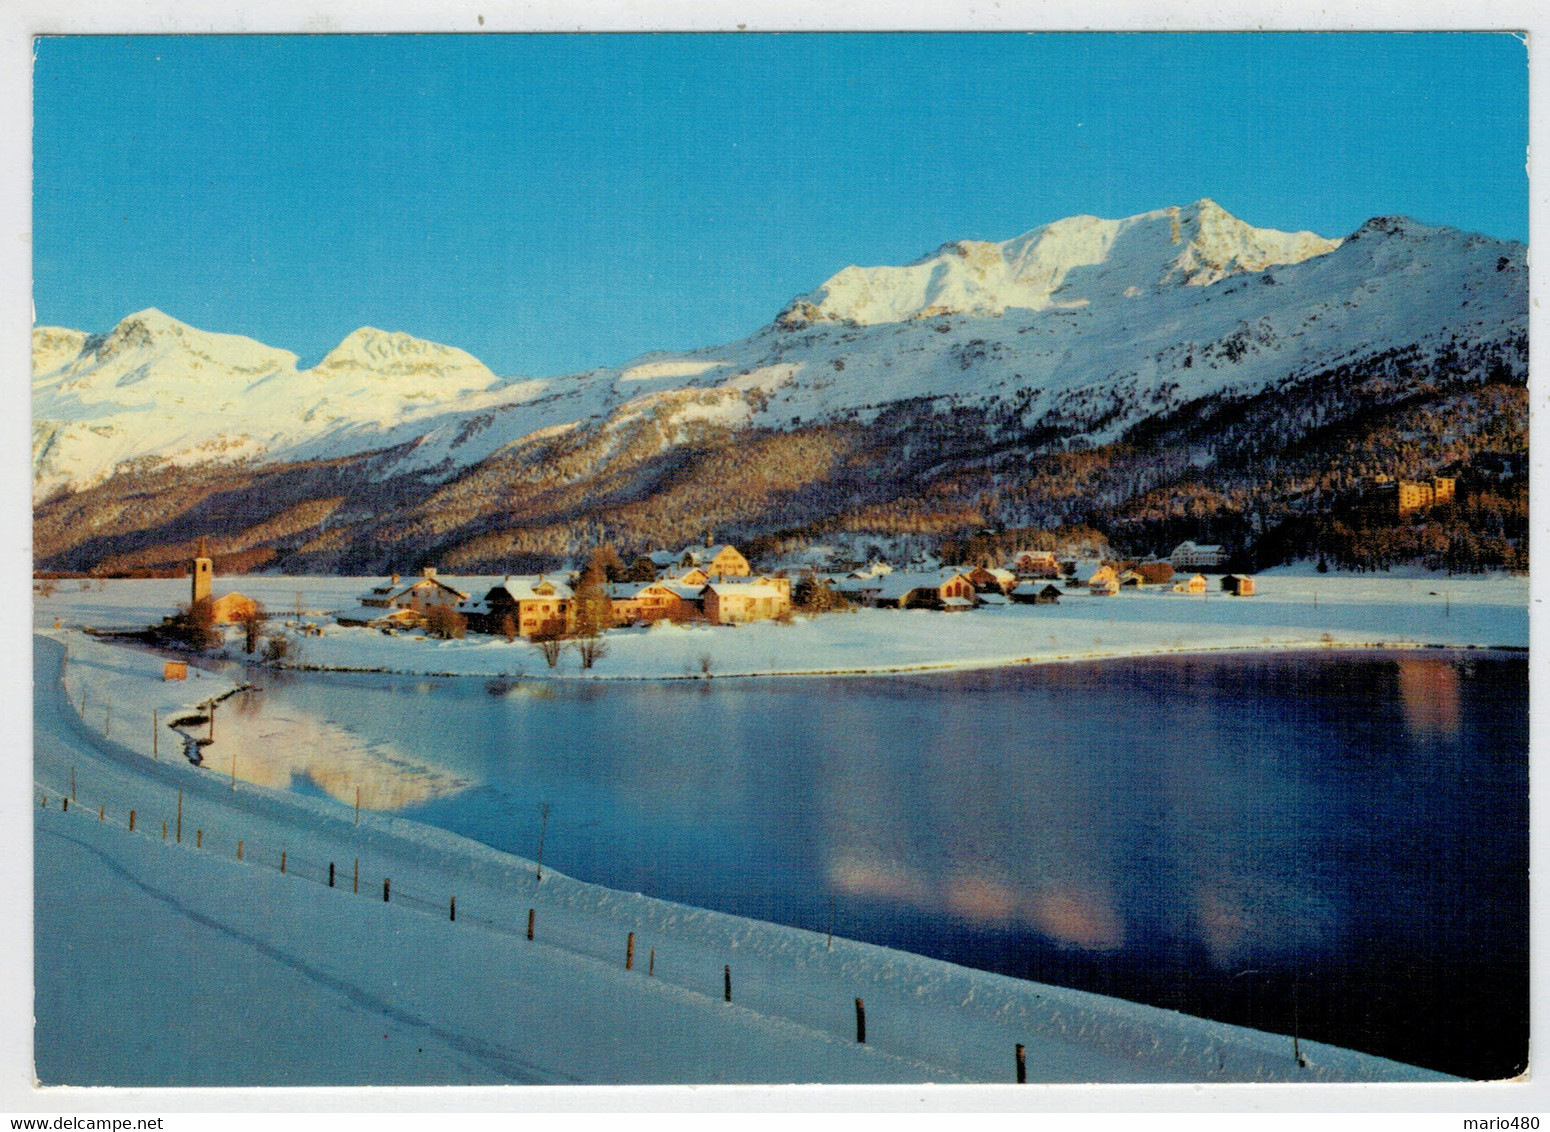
point(166, 960)
point(1292, 610)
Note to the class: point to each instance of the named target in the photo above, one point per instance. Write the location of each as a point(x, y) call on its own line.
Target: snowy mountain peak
point(1068, 263)
point(396, 354)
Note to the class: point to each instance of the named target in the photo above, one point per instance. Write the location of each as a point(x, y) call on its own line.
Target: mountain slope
point(932, 395)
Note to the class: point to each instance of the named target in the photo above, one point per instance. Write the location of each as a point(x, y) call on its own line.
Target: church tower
point(200, 569)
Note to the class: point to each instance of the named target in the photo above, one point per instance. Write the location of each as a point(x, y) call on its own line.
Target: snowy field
point(163, 959)
point(1293, 609)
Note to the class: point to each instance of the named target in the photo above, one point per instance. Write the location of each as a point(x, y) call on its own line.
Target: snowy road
point(164, 960)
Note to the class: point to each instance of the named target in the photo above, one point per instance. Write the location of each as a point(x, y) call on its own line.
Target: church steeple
point(200, 568)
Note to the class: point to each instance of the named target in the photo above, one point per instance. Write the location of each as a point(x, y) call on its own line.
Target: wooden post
point(131, 821)
point(199, 839)
point(102, 811)
point(452, 910)
point(44, 802)
point(155, 736)
point(1022, 1064)
point(860, 1021)
point(530, 923)
point(330, 874)
point(239, 848)
point(65, 802)
point(651, 962)
point(386, 886)
point(164, 829)
point(356, 888)
point(282, 860)
point(629, 952)
point(726, 974)
point(180, 817)
point(83, 701)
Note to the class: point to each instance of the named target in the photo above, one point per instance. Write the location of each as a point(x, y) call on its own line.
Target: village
point(716, 584)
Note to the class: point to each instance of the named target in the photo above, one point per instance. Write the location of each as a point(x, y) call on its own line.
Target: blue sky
point(552, 203)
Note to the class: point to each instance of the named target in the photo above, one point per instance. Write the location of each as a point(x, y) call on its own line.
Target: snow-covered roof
point(535, 587)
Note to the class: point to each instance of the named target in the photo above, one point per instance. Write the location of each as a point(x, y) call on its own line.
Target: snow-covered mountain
point(1070, 334)
point(154, 390)
point(1065, 265)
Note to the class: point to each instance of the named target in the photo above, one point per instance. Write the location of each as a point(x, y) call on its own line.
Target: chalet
point(728, 603)
point(1239, 585)
point(1194, 585)
point(1189, 555)
point(722, 561)
point(645, 602)
point(398, 602)
point(535, 605)
point(908, 589)
point(1032, 593)
point(1104, 580)
point(856, 589)
point(1035, 564)
point(1130, 579)
point(991, 580)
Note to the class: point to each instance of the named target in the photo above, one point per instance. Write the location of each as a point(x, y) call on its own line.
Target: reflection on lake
point(264, 741)
point(1334, 842)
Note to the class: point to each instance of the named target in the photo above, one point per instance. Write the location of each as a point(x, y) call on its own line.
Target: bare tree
point(445, 622)
point(592, 650)
point(252, 623)
point(194, 625)
point(551, 646)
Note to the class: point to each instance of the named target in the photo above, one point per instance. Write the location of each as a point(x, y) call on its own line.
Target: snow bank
point(163, 959)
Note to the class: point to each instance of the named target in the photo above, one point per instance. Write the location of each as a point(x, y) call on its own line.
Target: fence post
point(530, 923)
point(386, 884)
point(452, 910)
point(199, 839)
point(330, 874)
point(651, 962)
point(102, 810)
point(629, 952)
point(164, 829)
point(726, 975)
point(44, 802)
point(66, 803)
point(357, 887)
point(282, 860)
point(131, 821)
point(239, 848)
point(1022, 1064)
point(860, 1021)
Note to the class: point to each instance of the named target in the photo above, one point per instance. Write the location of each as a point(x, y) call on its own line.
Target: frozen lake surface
point(1331, 843)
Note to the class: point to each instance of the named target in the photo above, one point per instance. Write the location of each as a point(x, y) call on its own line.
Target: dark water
point(1335, 844)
